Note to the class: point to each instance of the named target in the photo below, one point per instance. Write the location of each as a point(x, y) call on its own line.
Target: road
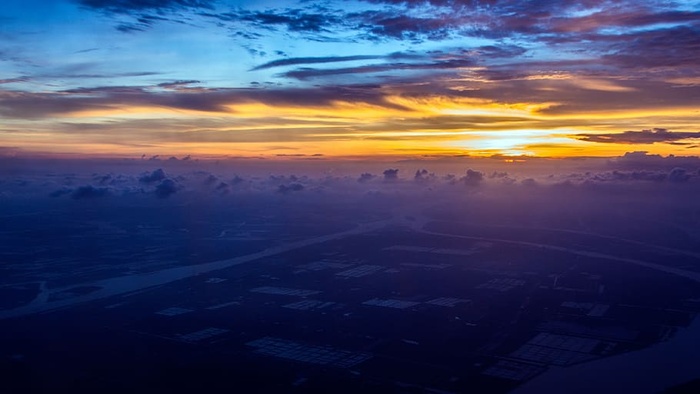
point(132, 283)
point(695, 276)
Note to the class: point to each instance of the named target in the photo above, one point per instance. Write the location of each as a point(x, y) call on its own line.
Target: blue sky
point(540, 76)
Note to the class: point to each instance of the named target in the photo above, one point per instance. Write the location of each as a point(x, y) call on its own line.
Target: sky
point(377, 78)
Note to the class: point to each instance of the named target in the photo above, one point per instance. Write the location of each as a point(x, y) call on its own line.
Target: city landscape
point(304, 293)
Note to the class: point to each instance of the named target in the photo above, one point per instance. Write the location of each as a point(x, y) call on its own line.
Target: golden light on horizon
point(402, 125)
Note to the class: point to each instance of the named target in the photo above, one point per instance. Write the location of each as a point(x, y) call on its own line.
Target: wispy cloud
point(127, 6)
point(640, 137)
point(13, 80)
point(312, 60)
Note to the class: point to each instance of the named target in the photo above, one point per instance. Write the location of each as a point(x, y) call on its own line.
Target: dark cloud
point(424, 176)
point(166, 188)
point(103, 179)
point(641, 159)
point(498, 51)
point(671, 47)
point(89, 191)
point(391, 174)
point(404, 27)
point(144, 14)
point(236, 180)
point(13, 80)
point(639, 137)
point(495, 19)
point(116, 180)
point(130, 27)
point(551, 21)
point(647, 170)
point(294, 20)
point(365, 177)
point(60, 192)
point(71, 73)
point(625, 176)
point(626, 16)
point(178, 85)
point(529, 182)
point(127, 6)
point(314, 155)
point(444, 64)
point(211, 179)
point(155, 176)
point(502, 177)
point(292, 187)
point(222, 187)
point(311, 60)
point(678, 175)
point(32, 105)
point(144, 22)
point(473, 178)
point(88, 50)
point(639, 34)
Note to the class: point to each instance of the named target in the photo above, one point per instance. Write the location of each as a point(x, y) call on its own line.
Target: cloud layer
point(640, 137)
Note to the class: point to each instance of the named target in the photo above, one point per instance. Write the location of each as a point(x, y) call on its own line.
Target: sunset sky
point(349, 78)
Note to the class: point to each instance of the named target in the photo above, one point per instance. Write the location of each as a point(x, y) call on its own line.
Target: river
point(650, 370)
